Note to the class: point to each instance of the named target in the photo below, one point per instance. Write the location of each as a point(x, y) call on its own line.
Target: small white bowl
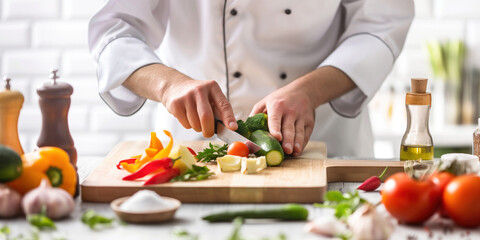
point(145, 217)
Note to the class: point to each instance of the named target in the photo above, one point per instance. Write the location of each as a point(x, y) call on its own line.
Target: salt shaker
point(54, 100)
point(10, 105)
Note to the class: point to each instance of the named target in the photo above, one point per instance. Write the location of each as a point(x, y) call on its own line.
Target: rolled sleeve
point(367, 60)
point(117, 61)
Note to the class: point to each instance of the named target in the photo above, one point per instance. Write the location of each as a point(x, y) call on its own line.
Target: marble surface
point(188, 217)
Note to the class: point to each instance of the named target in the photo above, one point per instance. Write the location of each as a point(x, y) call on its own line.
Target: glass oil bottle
point(417, 143)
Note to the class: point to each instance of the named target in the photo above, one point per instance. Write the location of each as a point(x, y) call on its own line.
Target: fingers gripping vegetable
point(50, 163)
point(461, 200)
point(408, 200)
point(290, 212)
point(372, 183)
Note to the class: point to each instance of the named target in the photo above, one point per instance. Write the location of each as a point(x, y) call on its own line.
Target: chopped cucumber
point(270, 147)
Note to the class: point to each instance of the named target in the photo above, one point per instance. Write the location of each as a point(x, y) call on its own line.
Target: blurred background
point(443, 45)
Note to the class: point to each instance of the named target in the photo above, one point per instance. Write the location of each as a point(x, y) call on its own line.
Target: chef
point(311, 65)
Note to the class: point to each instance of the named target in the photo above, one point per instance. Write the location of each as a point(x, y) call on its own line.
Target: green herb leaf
point(5, 231)
point(212, 152)
point(93, 220)
point(184, 234)
point(237, 225)
point(344, 204)
point(41, 221)
point(197, 173)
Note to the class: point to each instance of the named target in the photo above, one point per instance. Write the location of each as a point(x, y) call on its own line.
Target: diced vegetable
point(270, 147)
point(186, 158)
point(258, 121)
point(229, 163)
point(289, 212)
point(253, 165)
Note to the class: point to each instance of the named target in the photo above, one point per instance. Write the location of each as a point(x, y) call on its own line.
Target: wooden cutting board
point(302, 180)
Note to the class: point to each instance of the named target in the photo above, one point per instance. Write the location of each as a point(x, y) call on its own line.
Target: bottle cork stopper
point(419, 85)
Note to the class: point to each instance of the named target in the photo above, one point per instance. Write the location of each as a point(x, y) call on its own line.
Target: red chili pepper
point(192, 151)
point(129, 161)
point(372, 183)
point(163, 177)
point(150, 167)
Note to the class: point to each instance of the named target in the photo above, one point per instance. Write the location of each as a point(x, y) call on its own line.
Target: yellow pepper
point(154, 151)
point(50, 163)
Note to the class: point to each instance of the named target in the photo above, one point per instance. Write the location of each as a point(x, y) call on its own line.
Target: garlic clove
point(57, 202)
point(9, 202)
point(368, 223)
point(326, 225)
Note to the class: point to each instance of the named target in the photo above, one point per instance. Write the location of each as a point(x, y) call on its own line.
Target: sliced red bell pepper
point(163, 177)
point(192, 151)
point(150, 167)
point(129, 161)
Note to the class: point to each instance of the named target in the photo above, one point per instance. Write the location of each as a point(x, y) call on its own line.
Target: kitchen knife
point(229, 136)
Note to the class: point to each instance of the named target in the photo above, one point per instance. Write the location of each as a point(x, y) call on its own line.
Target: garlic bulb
point(9, 202)
point(326, 225)
point(58, 202)
point(367, 223)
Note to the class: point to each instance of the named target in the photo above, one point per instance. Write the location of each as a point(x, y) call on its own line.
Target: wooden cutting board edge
point(335, 171)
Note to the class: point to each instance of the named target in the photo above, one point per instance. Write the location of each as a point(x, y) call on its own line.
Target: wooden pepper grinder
point(54, 103)
point(10, 104)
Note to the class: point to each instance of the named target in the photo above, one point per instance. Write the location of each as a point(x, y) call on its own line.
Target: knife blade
point(229, 136)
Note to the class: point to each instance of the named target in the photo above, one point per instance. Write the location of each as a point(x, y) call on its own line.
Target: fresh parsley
point(344, 204)
point(196, 173)
point(212, 152)
point(40, 221)
point(94, 220)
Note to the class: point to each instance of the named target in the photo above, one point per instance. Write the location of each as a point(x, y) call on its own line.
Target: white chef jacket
point(251, 48)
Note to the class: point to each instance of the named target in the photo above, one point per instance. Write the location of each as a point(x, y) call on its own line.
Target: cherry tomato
point(408, 200)
point(461, 200)
point(238, 149)
point(441, 179)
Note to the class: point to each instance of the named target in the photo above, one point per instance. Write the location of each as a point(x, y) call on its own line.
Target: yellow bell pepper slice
point(155, 142)
point(164, 152)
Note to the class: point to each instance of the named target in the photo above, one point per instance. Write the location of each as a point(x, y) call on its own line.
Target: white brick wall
point(37, 35)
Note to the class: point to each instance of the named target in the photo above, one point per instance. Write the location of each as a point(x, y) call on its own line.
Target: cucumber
point(270, 147)
point(289, 212)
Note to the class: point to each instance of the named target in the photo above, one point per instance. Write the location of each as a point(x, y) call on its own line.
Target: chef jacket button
point(283, 76)
point(288, 11)
point(237, 74)
point(233, 12)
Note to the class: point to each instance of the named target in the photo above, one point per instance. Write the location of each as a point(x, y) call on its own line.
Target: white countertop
point(188, 217)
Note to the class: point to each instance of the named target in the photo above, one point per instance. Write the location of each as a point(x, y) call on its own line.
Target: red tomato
point(238, 149)
point(408, 200)
point(461, 200)
point(441, 179)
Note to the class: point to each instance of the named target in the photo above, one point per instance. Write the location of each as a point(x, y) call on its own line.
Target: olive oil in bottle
point(417, 143)
point(416, 152)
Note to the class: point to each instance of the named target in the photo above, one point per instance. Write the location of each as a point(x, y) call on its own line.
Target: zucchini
point(288, 212)
point(270, 147)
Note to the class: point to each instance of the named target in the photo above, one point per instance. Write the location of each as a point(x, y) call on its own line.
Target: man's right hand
point(194, 103)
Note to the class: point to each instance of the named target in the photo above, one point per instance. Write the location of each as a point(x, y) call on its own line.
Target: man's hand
point(194, 103)
point(291, 109)
point(291, 117)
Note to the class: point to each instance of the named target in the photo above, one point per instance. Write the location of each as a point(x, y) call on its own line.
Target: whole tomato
point(238, 149)
point(408, 200)
point(461, 200)
point(441, 179)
